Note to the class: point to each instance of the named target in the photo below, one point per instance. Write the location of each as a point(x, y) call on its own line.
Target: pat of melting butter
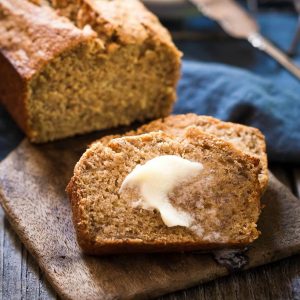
point(156, 179)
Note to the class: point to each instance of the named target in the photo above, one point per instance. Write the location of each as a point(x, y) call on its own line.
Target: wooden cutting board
point(32, 184)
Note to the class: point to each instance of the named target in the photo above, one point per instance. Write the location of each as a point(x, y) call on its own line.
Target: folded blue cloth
point(232, 94)
point(270, 102)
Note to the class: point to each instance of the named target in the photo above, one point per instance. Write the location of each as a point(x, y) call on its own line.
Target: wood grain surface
point(39, 211)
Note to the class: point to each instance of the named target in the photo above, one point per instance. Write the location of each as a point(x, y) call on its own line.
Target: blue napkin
point(232, 94)
point(267, 97)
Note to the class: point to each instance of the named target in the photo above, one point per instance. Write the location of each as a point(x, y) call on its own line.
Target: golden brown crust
point(33, 35)
point(136, 246)
point(127, 21)
point(117, 21)
point(81, 229)
point(91, 245)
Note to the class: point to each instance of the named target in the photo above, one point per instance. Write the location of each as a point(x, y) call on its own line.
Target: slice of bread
point(248, 139)
point(224, 199)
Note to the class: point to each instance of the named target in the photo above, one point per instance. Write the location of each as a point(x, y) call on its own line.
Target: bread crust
point(83, 237)
point(89, 243)
point(32, 35)
point(135, 27)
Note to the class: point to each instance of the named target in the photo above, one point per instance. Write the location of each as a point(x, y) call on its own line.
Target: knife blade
point(236, 21)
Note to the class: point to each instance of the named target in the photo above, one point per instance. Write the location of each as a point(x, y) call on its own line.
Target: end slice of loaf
point(245, 138)
point(100, 65)
point(224, 199)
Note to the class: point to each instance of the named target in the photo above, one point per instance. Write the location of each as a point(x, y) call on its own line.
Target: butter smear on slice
point(156, 179)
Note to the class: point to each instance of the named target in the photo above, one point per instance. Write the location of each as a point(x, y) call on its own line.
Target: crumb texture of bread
point(247, 139)
point(81, 66)
point(224, 199)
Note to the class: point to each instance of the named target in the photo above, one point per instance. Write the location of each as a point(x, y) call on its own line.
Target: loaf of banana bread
point(68, 67)
point(202, 192)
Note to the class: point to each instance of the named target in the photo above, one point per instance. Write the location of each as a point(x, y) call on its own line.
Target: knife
point(239, 24)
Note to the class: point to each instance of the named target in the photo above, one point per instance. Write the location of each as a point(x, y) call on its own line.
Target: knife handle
point(260, 42)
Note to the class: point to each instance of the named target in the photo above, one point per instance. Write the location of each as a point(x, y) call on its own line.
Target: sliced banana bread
point(248, 139)
point(70, 67)
point(223, 200)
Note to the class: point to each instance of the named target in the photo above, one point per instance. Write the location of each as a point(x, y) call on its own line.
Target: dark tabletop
point(20, 276)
